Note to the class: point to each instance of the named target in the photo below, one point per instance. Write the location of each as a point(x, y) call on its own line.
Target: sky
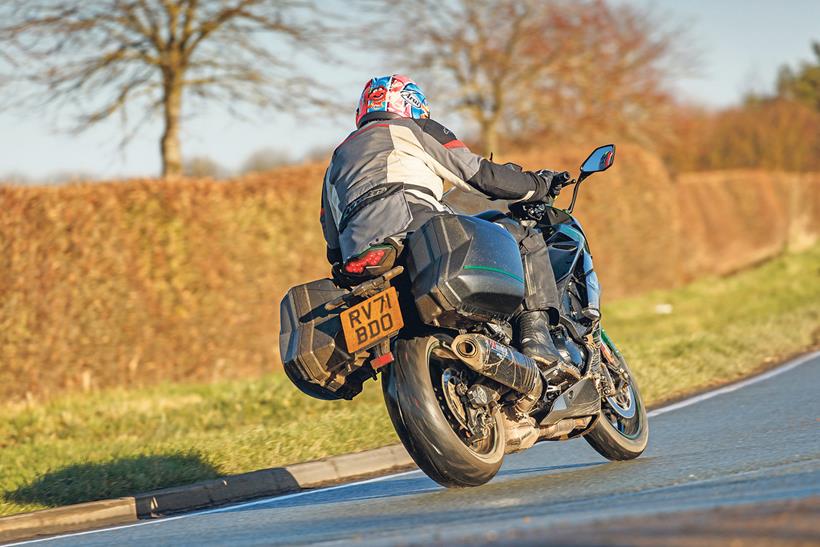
point(740, 45)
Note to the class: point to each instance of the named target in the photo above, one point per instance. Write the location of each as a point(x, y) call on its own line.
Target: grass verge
point(118, 442)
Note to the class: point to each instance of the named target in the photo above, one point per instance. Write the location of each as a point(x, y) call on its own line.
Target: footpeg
point(593, 314)
point(562, 371)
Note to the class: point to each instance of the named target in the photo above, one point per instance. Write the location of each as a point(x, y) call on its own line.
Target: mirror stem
point(581, 178)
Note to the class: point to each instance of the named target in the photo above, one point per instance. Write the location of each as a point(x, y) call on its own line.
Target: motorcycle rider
point(386, 180)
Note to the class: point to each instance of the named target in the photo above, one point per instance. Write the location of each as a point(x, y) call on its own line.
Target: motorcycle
point(436, 325)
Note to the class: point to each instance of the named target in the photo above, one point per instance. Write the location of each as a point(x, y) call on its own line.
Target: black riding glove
point(557, 182)
point(547, 184)
point(542, 180)
point(333, 255)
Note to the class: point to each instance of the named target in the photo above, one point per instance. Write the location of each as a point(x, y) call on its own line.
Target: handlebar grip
point(563, 178)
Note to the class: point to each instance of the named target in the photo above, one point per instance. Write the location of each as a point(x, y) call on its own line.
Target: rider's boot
point(534, 340)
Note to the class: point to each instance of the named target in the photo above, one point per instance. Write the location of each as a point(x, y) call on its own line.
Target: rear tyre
point(427, 425)
point(621, 431)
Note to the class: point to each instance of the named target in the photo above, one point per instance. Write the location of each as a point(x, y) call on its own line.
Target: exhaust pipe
point(502, 364)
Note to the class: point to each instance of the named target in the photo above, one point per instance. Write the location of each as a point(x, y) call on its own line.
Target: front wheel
point(621, 431)
point(423, 390)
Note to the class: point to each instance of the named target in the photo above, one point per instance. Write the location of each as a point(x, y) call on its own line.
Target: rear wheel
point(621, 431)
point(424, 393)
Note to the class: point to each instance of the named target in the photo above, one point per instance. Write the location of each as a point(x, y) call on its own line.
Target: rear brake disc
point(450, 381)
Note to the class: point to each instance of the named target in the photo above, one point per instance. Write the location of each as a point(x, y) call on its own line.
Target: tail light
point(372, 257)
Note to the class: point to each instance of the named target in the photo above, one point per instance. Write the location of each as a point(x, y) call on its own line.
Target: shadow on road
point(122, 477)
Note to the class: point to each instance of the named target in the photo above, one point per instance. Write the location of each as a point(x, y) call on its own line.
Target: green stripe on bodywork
point(496, 270)
point(608, 341)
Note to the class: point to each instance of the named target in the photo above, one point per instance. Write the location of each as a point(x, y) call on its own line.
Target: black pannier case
point(311, 342)
point(464, 269)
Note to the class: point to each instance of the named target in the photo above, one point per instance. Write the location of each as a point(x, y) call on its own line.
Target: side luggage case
point(312, 346)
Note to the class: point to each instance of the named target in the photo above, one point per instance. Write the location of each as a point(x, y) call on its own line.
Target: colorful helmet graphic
point(396, 94)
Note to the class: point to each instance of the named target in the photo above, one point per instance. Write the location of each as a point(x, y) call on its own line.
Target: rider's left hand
point(558, 180)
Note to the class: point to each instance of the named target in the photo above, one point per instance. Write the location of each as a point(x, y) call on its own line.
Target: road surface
point(755, 443)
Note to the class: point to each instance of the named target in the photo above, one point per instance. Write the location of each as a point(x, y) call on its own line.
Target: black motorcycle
point(436, 325)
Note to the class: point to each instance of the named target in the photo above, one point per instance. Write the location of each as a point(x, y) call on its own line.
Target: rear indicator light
point(369, 258)
point(382, 360)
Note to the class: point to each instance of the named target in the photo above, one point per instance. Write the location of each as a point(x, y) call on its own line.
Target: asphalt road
point(758, 443)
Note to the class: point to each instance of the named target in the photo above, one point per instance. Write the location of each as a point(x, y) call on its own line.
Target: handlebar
point(530, 210)
point(562, 179)
point(535, 210)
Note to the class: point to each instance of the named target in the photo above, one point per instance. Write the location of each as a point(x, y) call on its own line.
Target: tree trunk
point(169, 144)
point(489, 137)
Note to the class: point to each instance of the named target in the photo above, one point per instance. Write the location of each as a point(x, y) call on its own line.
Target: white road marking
point(657, 412)
point(216, 510)
point(734, 387)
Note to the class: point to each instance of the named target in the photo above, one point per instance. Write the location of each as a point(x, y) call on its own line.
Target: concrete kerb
point(211, 493)
point(70, 518)
point(348, 466)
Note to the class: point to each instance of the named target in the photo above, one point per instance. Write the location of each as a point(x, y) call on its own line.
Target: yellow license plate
point(372, 320)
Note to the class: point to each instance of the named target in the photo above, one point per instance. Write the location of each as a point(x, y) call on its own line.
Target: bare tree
point(471, 53)
point(621, 62)
point(107, 57)
point(535, 66)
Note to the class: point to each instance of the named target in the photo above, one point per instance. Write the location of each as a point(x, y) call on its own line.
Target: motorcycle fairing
point(571, 263)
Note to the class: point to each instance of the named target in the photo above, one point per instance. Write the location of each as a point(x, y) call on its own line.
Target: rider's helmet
point(397, 95)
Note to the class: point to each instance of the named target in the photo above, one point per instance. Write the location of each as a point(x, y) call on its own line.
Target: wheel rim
point(623, 404)
point(444, 375)
point(622, 410)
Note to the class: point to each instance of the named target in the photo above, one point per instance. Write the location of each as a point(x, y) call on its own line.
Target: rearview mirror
point(601, 159)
